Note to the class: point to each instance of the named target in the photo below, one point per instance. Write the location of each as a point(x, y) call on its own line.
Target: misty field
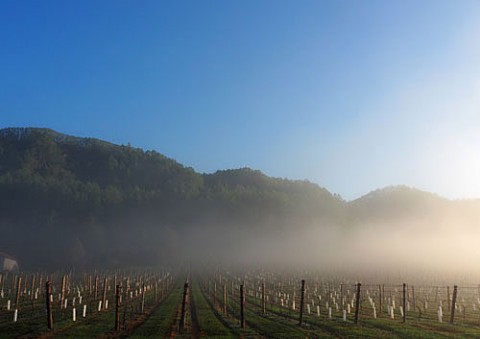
point(227, 303)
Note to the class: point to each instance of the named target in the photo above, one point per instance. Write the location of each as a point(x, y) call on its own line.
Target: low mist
point(442, 244)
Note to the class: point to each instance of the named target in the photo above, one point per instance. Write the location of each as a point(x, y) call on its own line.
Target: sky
point(352, 95)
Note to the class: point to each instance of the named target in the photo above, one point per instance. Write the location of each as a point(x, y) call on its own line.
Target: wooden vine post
point(184, 306)
point(357, 302)
point(404, 302)
point(225, 298)
point(380, 297)
point(95, 296)
point(215, 295)
point(115, 283)
point(242, 307)
point(302, 302)
point(62, 295)
point(32, 288)
point(89, 285)
point(125, 301)
point(454, 300)
point(104, 297)
point(48, 302)
point(263, 298)
point(448, 298)
point(117, 307)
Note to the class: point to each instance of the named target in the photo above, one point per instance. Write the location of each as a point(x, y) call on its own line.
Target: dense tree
point(67, 200)
point(86, 189)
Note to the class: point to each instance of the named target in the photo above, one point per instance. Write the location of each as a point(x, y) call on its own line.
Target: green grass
point(159, 322)
point(97, 324)
point(33, 321)
point(280, 323)
point(91, 327)
point(269, 325)
point(209, 324)
point(374, 328)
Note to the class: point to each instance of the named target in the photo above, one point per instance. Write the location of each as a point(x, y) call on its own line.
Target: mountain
point(395, 202)
point(65, 199)
point(69, 201)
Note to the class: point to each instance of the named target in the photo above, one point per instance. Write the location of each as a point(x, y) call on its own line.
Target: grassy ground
point(369, 328)
point(159, 323)
point(208, 321)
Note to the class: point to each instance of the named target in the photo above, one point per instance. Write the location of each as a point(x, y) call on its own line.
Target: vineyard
point(221, 303)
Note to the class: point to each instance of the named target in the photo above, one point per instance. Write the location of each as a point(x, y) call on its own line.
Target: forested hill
point(69, 199)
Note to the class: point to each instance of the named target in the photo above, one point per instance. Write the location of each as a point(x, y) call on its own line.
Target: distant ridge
point(403, 190)
point(22, 132)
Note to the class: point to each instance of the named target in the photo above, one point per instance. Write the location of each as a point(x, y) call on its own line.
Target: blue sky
point(352, 95)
